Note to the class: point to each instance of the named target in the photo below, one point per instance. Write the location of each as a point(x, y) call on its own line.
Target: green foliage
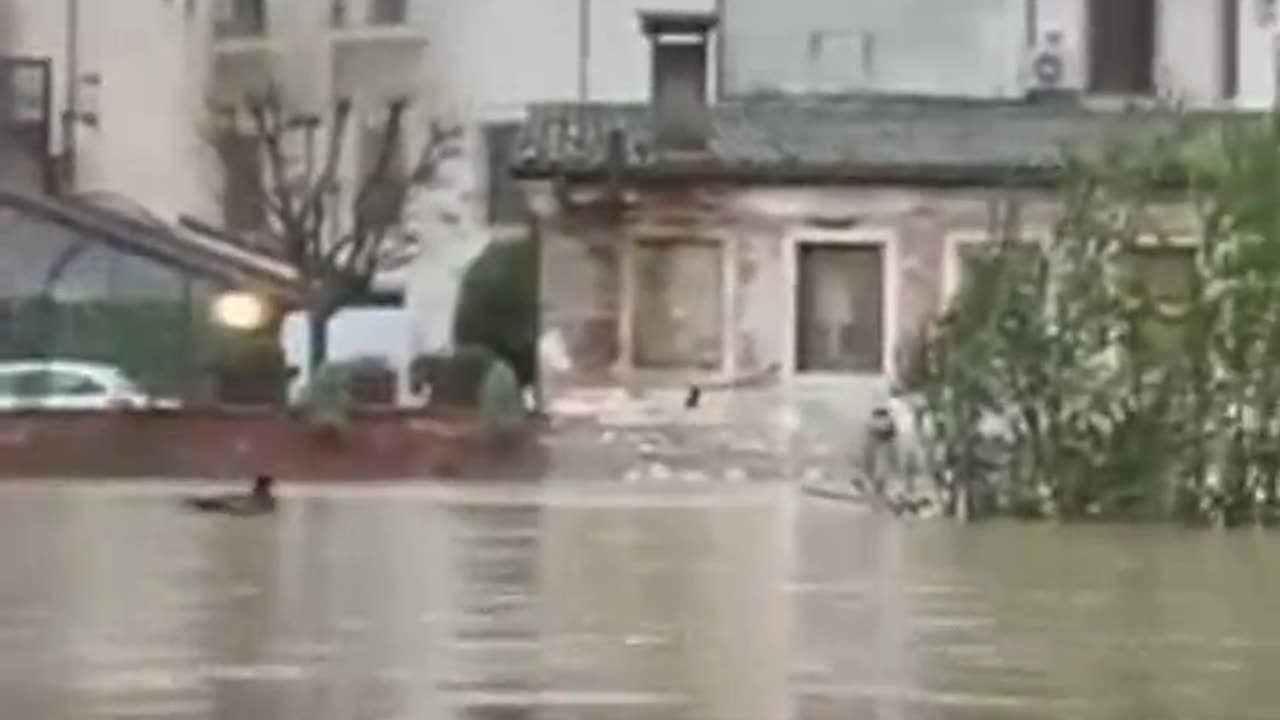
point(160, 343)
point(498, 303)
point(501, 402)
point(247, 369)
point(235, 350)
point(326, 402)
point(455, 379)
point(371, 380)
point(1049, 386)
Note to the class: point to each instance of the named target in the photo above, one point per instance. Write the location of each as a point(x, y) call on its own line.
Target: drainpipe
point(584, 50)
point(69, 112)
point(1230, 56)
point(1031, 17)
point(719, 74)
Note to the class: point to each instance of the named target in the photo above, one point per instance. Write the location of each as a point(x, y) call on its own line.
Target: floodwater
point(559, 603)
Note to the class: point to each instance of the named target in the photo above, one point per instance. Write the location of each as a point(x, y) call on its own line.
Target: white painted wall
point(144, 146)
point(937, 47)
point(941, 47)
point(1188, 44)
point(354, 333)
point(1258, 58)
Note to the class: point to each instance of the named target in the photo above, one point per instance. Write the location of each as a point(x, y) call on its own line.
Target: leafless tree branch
point(339, 263)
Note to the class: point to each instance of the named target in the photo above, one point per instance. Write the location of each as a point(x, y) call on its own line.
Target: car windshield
point(124, 383)
point(58, 380)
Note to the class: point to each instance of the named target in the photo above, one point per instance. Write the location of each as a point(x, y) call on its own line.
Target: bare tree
point(337, 251)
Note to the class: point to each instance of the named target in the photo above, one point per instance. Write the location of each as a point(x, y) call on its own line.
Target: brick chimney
point(679, 94)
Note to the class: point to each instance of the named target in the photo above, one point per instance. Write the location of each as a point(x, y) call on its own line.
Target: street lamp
point(240, 310)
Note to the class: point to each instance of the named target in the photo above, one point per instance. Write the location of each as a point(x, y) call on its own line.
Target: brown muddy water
point(560, 603)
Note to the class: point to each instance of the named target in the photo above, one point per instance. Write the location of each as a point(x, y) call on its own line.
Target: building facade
point(751, 272)
point(1202, 53)
point(146, 78)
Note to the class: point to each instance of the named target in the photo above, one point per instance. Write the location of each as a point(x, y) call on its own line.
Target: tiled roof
point(851, 139)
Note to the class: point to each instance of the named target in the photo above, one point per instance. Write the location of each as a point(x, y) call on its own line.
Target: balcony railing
point(368, 13)
point(25, 122)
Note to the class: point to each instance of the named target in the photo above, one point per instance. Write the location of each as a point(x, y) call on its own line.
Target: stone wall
point(757, 418)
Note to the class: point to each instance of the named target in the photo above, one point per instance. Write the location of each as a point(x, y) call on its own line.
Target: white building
point(147, 70)
point(1200, 52)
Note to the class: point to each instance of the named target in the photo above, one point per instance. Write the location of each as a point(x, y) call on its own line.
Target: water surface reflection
point(495, 603)
point(557, 603)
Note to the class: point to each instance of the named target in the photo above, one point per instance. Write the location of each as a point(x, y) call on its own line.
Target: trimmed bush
point(501, 402)
point(370, 380)
point(249, 370)
point(455, 379)
point(327, 401)
point(498, 305)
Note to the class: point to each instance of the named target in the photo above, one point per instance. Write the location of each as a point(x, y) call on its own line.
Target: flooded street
point(557, 603)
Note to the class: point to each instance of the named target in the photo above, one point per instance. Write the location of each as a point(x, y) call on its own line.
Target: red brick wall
point(223, 444)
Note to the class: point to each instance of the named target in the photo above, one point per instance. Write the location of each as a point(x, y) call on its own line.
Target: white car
point(71, 385)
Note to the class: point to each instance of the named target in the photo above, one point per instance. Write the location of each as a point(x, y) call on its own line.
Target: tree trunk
point(317, 339)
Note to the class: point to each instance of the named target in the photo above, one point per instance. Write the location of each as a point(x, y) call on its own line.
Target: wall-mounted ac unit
point(1050, 68)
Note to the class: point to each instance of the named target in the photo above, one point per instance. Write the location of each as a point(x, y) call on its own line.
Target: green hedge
point(162, 344)
point(498, 306)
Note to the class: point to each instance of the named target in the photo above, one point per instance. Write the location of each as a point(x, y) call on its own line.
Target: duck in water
point(259, 501)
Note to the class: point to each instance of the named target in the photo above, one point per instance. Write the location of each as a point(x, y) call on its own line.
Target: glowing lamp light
point(240, 311)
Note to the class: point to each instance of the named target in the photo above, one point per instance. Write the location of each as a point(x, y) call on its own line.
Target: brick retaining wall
point(237, 444)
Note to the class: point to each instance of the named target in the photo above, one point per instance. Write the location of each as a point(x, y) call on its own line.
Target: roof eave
point(922, 176)
point(163, 246)
point(792, 174)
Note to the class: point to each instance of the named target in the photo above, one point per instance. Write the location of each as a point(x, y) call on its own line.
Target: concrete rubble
point(612, 435)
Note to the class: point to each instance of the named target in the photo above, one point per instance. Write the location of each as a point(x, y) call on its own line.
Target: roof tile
point(904, 138)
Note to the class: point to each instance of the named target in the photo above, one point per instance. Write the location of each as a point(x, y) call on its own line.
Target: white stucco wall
point(941, 47)
point(1188, 46)
point(1258, 58)
point(919, 46)
point(145, 144)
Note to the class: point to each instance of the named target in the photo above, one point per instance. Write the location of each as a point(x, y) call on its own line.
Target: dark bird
point(693, 398)
point(259, 501)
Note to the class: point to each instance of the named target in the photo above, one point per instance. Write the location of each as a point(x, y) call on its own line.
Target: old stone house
point(778, 253)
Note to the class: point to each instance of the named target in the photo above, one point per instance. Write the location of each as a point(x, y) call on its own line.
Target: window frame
point(628, 339)
point(1096, 59)
point(886, 239)
point(393, 15)
point(9, 384)
point(955, 241)
point(101, 389)
point(1178, 242)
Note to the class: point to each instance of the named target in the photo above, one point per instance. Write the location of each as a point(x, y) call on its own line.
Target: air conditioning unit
point(1050, 67)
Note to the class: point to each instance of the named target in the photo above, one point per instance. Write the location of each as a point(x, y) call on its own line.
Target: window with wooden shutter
point(840, 308)
point(1163, 277)
point(242, 185)
point(1122, 46)
point(678, 304)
